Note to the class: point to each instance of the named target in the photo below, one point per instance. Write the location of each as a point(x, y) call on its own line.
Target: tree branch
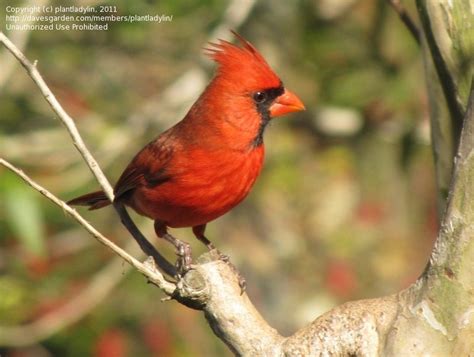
point(406, 19)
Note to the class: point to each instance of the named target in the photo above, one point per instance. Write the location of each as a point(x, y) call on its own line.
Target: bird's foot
point(224, 257)
point(183, 264)
point(183, 251)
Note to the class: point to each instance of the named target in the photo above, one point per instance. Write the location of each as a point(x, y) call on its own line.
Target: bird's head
point(246, 85)
point(243, 69)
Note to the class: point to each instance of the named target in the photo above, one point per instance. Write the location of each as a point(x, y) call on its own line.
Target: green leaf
point(23, 213)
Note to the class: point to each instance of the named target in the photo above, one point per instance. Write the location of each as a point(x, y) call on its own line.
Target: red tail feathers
point(94, 200)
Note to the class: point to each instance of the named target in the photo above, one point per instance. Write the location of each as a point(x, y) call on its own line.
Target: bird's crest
point(242, 64)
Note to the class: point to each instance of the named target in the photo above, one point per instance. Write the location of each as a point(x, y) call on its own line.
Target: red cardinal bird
point(207, 163)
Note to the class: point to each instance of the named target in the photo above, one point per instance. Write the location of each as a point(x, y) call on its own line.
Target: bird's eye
point(259, 97)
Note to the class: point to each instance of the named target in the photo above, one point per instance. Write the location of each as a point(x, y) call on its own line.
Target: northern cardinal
point(207, 163)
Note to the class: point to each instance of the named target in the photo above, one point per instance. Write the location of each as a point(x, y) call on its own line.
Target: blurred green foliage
point(335, 215)
point(23, 214)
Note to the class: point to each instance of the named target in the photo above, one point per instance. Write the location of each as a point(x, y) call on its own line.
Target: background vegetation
point(345, 207)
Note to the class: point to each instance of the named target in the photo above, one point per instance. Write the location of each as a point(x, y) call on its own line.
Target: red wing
point(130, 179)
point(148, 167)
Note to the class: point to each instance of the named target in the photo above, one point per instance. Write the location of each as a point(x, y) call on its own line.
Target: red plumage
point(207, 163)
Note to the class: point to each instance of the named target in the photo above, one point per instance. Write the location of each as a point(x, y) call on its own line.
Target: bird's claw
point(225, 258)
point(242, 284)
point(185, 260)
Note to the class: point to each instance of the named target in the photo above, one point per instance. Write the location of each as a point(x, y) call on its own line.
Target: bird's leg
point(183, 249)
point(199, 233)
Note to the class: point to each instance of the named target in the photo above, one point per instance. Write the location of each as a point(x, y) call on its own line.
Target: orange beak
point(286, 103)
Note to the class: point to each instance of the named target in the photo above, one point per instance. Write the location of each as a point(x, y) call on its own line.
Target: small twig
point(446, 80)
point(464, 150)
point(406, 19)
point(144, 244)
point(466, 143)
point(65, 118)
point(155, 276)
